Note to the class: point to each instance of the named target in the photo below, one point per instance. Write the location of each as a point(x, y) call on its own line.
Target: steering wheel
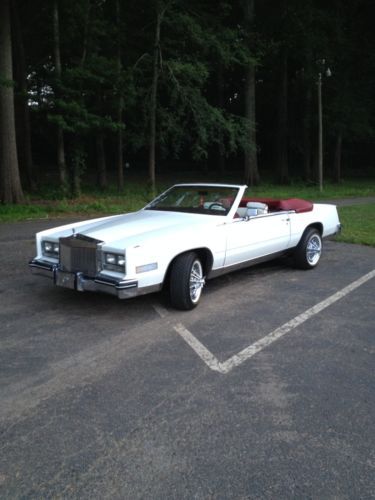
point(217, 206)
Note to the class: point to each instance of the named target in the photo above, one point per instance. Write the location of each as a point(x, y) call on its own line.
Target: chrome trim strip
point(43, 268)
point(42, 264)
point(214, 273)
point(120, 285)
point(247, 218)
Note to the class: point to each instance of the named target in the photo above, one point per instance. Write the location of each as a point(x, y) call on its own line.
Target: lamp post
point(327, 73)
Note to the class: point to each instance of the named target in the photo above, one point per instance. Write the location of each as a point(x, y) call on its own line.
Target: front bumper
point(123, 289)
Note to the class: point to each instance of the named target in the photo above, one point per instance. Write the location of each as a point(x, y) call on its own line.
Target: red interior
point(295, 204)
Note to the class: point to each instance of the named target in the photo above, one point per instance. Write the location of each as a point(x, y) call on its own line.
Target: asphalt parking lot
point(257, 393)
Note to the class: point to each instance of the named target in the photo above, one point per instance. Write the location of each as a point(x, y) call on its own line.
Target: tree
point(154, 89)
point(58, 72)
point(10, 184)
point(282, 119)
point(349, 93)
point(21, 102)
point(281, 147)
point(251, 160)
point(120, 158)
point(85, 105)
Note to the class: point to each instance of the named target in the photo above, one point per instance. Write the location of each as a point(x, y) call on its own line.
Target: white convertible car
point(188, 234)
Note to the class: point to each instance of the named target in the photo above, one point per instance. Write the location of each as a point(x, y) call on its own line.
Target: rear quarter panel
point(323, 214)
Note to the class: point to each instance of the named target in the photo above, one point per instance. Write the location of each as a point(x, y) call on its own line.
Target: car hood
point(127, 226)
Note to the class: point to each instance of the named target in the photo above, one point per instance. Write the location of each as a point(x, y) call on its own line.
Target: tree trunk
point(120, 154)
point(61, 162)
point(282, 132)
point(338, 155)
point(102, 168)
point(76, 179)
point(220, 98)
point(120, 157)
point(307, 141)
point(21, 104)
point(307, 170)
point(251, 173)
point(10, 183)
point(154, 90)
point(78, 166)
point(86, 32)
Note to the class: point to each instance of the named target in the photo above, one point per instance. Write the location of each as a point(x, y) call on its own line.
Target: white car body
point(151, 240)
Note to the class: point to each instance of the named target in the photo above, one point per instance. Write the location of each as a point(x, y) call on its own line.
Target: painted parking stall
point(247, 353)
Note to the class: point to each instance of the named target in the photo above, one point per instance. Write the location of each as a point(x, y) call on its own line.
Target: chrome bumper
point(123, 289)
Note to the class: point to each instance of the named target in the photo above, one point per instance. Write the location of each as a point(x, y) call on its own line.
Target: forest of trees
point(87, 86)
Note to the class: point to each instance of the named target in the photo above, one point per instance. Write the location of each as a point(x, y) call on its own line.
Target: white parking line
point(199, 348)
point(236, 360)
point(160, 310)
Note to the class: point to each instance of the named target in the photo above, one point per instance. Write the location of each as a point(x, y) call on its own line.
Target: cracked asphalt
point(101, 398)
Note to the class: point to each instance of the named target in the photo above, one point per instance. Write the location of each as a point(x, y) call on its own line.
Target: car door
point(256, 237)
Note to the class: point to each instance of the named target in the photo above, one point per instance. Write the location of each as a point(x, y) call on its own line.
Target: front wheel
point(186, 281)
point(309, 250)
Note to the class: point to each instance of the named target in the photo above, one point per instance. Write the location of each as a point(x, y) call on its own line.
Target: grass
point(358, 224)
point(358, 220)
point(48, 204)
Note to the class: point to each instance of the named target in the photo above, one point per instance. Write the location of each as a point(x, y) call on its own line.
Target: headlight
point(50, 248)
point(121, 261)
point(114, 262)
point(110, 258)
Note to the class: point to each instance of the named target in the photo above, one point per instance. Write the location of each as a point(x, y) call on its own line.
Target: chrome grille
point(78, 253)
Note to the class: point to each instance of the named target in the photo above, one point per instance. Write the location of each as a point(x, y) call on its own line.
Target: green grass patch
point(90, 204)
point(13, 213)
point(358, 224)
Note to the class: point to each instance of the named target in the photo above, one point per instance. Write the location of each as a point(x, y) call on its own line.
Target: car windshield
point(210, 200)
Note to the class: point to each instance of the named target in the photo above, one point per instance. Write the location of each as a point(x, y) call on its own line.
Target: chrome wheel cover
point(196, 281)
point(314, 249)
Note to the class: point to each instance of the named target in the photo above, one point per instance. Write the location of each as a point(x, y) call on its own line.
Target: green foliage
point(198, 43)
point(85, 90)
point(189, 110)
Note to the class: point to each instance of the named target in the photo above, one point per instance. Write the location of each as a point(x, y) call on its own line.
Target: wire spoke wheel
point(196, 282)
point(314, 249)
point(309, 250)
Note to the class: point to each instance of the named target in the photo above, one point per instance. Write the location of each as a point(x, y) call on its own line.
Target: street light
point(327, 72)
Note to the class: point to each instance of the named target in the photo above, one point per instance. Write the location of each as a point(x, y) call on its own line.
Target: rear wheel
point(309, 249)
point(186, 281)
